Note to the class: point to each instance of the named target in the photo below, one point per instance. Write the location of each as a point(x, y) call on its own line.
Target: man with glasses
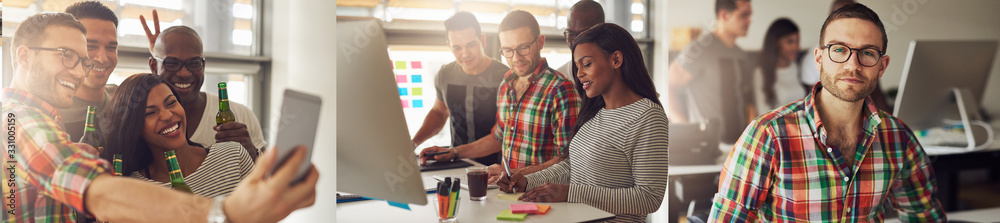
point(52, 179)
point(582, 15)
point(102, 46)
point(711, 80)
point(177, 57)
point(832, 156)
point(537, 106)
point(466, 88)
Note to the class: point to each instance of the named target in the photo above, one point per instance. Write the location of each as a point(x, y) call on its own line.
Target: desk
point(947, 168)
point(979, 215)
point(469, 211)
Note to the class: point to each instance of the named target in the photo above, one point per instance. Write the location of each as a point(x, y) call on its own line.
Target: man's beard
point(829, 82)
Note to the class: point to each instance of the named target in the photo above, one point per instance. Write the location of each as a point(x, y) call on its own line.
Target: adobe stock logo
point(404, 169)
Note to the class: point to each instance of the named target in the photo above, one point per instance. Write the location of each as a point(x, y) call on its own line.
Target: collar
point(543, 66)
point(872, 118)
point(25, 97)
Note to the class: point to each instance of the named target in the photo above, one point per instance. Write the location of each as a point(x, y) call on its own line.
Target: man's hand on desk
point(548, 192)
point(446, 157)
point(495, 172)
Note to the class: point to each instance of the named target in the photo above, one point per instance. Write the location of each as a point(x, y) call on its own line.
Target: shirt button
point(848, 210)
point(846, 179)
point(829, 150)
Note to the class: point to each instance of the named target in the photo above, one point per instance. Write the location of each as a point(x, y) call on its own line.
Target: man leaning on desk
point(537, 106)
point(832, 156)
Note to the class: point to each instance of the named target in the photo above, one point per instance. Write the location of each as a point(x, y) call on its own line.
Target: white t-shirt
point(810, 73)
point(786, 88)
point(205, 135)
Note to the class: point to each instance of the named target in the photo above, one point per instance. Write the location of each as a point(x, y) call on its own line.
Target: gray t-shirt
point(75, 117)
point(471, 101)
point(721, 84)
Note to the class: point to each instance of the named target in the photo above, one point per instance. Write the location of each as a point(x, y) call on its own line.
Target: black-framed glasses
point(570, 34)
point(70, 58)
point(840, 53)
point(522, 50)
point(174, 65)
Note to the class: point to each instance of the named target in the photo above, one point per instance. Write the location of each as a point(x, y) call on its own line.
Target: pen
point(507, 169)
point(454, 197)
point(436, 153)
point(444, 195)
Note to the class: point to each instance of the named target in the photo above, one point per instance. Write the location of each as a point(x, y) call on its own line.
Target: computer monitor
point(374, 152)
point(945, 80)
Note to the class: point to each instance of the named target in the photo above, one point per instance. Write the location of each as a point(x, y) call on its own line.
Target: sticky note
point(527, 208)
point(400, 78)
point(543, 209)
point(418, 103)
point(399, 205)
point(509, 197)
point(400, 65)
point(417, 78)
point(406, 104)
point(506, 215)
point(417, 91)
point(403, 91)
point(416, 65)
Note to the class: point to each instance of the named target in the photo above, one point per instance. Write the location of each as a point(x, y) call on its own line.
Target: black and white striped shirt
point(225, 166)
point(619, 162)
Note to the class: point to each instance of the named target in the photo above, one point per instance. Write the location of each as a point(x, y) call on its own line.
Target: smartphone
point(297, 125)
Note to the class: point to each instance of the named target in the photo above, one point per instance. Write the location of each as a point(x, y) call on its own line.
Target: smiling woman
point(146, 120)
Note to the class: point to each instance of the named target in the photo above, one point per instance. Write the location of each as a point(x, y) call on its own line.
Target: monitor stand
point(968, 109)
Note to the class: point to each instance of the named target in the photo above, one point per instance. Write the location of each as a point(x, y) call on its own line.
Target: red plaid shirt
point(536, 127)
point(51, 173)
point(782, 170)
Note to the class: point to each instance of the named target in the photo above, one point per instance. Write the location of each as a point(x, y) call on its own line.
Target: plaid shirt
point(51, 172)
point(537, 127)
point(782, 170)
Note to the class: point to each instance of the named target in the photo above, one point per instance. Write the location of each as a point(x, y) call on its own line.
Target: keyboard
point(940, 150)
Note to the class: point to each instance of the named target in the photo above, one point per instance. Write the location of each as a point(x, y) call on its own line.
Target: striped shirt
point(783, 170)
point(617, 162)
point(50, 172)
point(536, 127)
point(226, 165)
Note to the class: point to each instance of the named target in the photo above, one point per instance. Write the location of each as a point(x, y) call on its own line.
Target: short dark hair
point(857, 11)
point(463, 20)
point(159, 45)
point(588, 6)
point(518, 19)
point(728, 5)
point(92, 10)
point(32, 30)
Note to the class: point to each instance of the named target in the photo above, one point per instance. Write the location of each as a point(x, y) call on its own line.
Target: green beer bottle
point(117, 161)
point(90, 135)
point(176, 178)
point(225, 115)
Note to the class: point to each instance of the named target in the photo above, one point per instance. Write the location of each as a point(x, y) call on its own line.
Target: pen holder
point(442, 206)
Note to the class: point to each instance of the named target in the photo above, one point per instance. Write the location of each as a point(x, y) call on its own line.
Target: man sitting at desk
point(832, 156)
point(537, 106)
point(466, 88)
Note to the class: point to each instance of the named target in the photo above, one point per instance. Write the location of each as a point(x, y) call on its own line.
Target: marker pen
point(443, 196)
point(455, 186)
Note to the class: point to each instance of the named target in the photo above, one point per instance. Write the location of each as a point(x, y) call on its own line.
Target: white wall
point(302, 59)
point(905, 20)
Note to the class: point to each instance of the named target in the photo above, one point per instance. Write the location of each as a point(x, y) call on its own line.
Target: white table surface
point(978, 215)
point(468, 210)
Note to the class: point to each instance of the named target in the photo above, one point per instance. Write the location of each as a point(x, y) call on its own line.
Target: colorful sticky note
point(509, 197)
point(543, 209)
point(400, 78)
point(526, 208)
point(418, 103)
point(506, 215)
point(403, 91)
point(417, 78)
point(416, 65)
point(406, 103)
point(417, 91)
point(400, 64)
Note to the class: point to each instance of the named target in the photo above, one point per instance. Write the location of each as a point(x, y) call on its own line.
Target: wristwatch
point(455, 157)
point(216, 215)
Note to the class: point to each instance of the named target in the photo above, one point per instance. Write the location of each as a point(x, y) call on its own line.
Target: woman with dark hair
point(145, 120)
point(618, 156)
point(776, 82)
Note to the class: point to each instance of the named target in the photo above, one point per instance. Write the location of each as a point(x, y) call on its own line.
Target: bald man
point(582, 15)
point(177, 57)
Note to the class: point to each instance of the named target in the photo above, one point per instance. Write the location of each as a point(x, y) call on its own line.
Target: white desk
point(468, 211)
point(979, 215)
